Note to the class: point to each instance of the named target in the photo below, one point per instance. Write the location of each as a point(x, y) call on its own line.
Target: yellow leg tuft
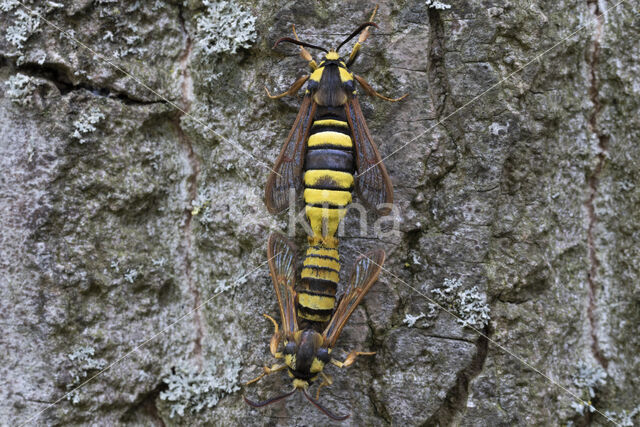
point(275, 338)
point(304, 52)
point(267, 371)
point(326, 380)
point(351, 358)
point(370, 91)
point(295, 87)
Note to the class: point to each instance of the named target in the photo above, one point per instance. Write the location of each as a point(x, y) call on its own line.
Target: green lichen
point(225, 27)
point(85, 124)
point(83, 363)
point(434, 4)
point(131, 275)
point(624, 418)
point(19, 87)
point(468, 305)
point(24, 25)
point(587, 378)
point(411, 320)
point(194, 390)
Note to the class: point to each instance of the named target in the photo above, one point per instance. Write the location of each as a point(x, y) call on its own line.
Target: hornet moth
point(307, 345)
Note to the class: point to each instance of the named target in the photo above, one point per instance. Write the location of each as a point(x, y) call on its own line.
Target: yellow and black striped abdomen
point(328, 182)
point(328, 178)
point(319, 281)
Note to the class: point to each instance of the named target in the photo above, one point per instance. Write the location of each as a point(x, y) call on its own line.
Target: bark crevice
point(194, 167)
point(60, 77)
point(593, 179)
point(146, 405)
point(455, 402)
point(379, 407)
point(440, 92)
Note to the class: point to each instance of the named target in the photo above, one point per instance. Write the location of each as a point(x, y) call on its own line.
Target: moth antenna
point(356, 32)
point(268, 401)
point(325, 410)
point(299, 43)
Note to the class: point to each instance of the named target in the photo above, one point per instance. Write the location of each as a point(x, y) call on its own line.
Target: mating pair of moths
point(328, 143)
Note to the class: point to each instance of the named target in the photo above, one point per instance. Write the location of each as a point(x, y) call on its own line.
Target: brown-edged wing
point(365, 273)
point(372, 181)
point(287, 171)
point(282, 264)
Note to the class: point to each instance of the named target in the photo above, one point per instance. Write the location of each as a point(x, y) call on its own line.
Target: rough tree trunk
point(127, 201)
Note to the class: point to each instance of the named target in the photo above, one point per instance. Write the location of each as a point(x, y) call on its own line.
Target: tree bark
point(136, 140)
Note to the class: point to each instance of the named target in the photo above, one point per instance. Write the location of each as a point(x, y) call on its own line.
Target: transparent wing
point(365, 273)
point(372, 181)
point(282, 264)
point(287, 171)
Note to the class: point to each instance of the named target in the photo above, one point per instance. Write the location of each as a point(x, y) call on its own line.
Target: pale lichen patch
point(438, 5)
point(468, 305)
point(194, 390)
point(86, 124)
point(83, 363)
point(19, 87)
point(225, 27)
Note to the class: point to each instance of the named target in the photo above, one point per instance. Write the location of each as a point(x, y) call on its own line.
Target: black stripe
point(317, 294)
point(323, 257)
point(326, 206)
point(320, 268)
point(324, 112)
point(329, 158)
point(334, 169)
point(320, 247)
point(330, 116)
point(305, 376)
point(311, 311)
point(319, 285)
point(329, 146)
point(330, 128)
point(330, 187)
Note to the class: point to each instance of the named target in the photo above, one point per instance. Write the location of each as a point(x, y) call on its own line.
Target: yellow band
point(331, 252)
point(314, 273)
point(331, 122)
point(340, 198)
point(316, 302)
point(318, 177)
point(330, 138)
point(310, 261)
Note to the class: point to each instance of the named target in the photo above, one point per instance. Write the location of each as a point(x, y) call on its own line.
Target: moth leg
point(295, 87)
point(351, 357)
point(370, 91)
point(361, 39)
point(267, 370)
point(304, 52)
point(275, 339)
point(326, 380)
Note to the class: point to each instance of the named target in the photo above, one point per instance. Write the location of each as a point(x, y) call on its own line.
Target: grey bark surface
point(134, 227)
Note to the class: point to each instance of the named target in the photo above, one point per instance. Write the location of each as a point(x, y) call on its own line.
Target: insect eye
point(290, 348)
point(323, 355)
